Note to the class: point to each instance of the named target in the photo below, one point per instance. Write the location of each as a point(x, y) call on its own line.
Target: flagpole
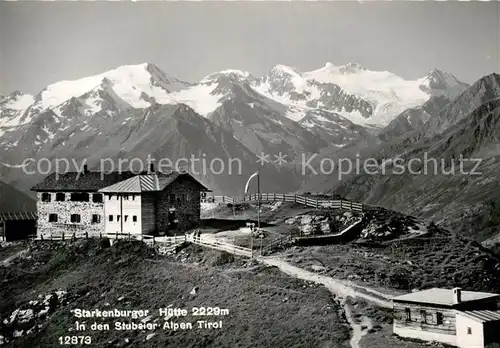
point(258, 200)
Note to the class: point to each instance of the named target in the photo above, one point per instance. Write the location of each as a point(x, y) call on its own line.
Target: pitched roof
point(147, 183)
point(136, 184)
point(481, 316)
point(77, 181)
point(443, 297)
point(20, 215)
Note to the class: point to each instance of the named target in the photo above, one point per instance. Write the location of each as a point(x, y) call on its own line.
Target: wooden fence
point(219, 199)
point(292, 198)
point(148, 239)
point(268, 249)
point(222, 246)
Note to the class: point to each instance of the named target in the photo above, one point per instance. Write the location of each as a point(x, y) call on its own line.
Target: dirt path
point(358, 329)
point(341, 289)
point(336, 286)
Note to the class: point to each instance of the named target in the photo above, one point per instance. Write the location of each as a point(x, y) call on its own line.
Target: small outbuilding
point(17, 226)
point(459, 318)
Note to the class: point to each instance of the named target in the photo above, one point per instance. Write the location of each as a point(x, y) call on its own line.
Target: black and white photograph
point(250, 174)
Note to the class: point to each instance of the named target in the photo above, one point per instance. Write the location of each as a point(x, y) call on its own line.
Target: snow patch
point(199, 98)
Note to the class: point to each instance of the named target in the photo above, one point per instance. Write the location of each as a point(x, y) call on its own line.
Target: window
point(134, 218)
point(80, 197)
point(96, 218)
point(110, 218)
point(469, 331)
point(423, 316)
point(439, 318)
point(60, 197)
point(97, 198)
point(45, 197)
point(52, 217)
point(75, 218)
point(118, 217)
point(126, 217)
point(408, 314)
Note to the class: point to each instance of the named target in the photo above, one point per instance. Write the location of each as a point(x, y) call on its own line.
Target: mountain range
point(332, 112)
point(12, 200)
point(285, 111)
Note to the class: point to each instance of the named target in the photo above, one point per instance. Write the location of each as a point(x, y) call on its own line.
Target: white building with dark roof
point(95, 203)
point(467, 319)
point(153, 204)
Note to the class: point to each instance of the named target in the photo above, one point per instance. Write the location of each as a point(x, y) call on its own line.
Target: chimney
point(457, 295)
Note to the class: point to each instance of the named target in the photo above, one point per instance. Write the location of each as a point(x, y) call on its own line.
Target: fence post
point(340, 204)
point(63, 236)
point(294, 198)
point(317, 203)
point(154, 241)
point(86, 234)
point(41, 237)
point(74, 236)
point(116, 236)
point(351, 205)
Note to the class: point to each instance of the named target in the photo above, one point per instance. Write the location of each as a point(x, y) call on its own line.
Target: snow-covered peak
point(12, 108)
point(233, 74)
point(351, 68)
point(439, 79)
point(130, 82)
point(16, 101)
point(332, 69)
point(284, 70)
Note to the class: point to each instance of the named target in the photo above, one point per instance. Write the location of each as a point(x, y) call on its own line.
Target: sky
point(45, 42)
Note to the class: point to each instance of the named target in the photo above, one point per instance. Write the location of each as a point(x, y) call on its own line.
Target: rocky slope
point(440, 187)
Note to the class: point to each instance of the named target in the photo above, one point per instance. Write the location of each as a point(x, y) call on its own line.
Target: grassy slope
point(439, 258)
point(267, 308)
point(430, 261)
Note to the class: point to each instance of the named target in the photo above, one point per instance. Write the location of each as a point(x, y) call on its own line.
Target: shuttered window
point(408, 314)
point(96, 218)
point(45, 197)
point(439, 318)
point(423, 316)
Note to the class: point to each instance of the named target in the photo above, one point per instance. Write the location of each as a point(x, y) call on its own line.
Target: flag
point(250, 179)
